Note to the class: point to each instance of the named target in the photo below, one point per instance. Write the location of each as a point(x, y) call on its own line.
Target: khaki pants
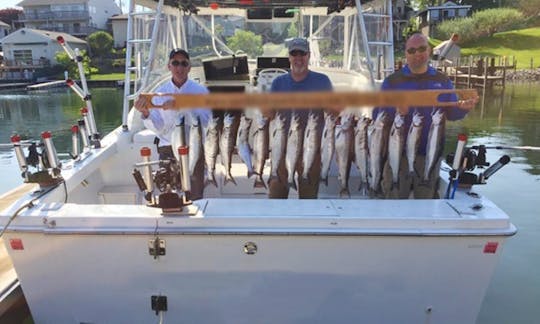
point(411, 184)
point(307, 189)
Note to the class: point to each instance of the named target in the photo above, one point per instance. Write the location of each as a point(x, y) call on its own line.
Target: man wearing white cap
point(300, 78)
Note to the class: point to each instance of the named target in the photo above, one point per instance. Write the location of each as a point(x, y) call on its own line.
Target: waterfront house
point(29, 49)
point(434, 15)
point(79, 18)
point(4, 29)
point(119, 30)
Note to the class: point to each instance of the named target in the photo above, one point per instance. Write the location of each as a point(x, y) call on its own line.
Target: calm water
point(511, 118)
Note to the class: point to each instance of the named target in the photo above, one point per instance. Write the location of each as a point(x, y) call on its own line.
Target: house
point(4, 29)
point(432, 16)
point(79, 18)
point(119, 30)
point(29, 49)
point(401, 13)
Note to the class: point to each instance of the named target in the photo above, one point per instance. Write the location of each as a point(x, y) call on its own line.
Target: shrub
point(480, 24)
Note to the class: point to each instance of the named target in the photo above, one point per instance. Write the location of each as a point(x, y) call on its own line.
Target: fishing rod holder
point(45, 162)
point(474, 157)
point(166, 180)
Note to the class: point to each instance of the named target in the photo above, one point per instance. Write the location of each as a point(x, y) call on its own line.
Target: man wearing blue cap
point(300, 78)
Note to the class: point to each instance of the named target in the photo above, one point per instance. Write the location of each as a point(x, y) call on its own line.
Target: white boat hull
point(339, 261)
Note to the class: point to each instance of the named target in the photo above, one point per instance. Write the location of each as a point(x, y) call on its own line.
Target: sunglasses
point(419, 49)
point(177, 63)
point(297, 53)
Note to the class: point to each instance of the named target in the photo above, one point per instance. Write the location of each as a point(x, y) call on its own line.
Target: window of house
point(22, 56)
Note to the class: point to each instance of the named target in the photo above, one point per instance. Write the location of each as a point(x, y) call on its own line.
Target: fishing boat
point(109, 236)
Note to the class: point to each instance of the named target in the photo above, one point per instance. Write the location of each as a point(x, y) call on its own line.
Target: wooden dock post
point(471, 61)
point(485, 72)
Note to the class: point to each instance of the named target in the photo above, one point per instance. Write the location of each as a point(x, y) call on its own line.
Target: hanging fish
point(413, 141)
point(279, 145)
point(377, 151)
point(434, 143)
point(211, 149)
point(344, 142)
point(327, 146)
point(226, 146)
point(242, 143)
point(396, 143)
point(195, 143)
point(361, 154)
point(294, 148)
point(260, 152)
point(312, 144)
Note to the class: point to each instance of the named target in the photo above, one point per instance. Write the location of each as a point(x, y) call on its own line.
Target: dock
point(483, 72)
point(11, 86)
point(47, 85)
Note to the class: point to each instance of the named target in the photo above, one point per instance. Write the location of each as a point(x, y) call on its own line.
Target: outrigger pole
point(83, 93)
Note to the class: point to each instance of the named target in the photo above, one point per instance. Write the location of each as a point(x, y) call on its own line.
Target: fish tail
point(229, 178)
point(324, 180)
point(211, 180)
point(259, 182)
point(292, 184)
point(344, 192)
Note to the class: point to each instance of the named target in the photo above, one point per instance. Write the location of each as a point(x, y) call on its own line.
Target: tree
point(101, 44)
point(247, 42)
point(9, 15)
point(68, 65)
point(530, 8)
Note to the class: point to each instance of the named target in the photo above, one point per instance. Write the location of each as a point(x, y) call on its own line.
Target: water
point(509, 119)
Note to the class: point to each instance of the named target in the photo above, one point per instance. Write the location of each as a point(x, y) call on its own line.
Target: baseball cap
point(299, 44)
point(178, 51)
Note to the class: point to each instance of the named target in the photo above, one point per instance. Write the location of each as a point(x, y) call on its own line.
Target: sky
point(11, 3)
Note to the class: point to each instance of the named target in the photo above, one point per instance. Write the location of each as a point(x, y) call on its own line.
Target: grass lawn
point(523, 44)
point(107, 77)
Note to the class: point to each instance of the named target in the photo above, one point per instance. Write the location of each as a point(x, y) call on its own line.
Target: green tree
point(246, 42)
point(292, 31)
point(68, 65)
point(101, 44)
point(10, 16)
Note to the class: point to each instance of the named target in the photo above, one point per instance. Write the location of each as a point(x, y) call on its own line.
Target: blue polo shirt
point(314, 81)
point(404, 79)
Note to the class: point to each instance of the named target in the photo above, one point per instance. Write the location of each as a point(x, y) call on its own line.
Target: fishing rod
point(503, 147)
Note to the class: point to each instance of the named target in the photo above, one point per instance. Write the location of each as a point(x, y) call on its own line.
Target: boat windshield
point(222, 30)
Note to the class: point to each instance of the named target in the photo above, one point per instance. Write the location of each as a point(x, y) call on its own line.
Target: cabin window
point(22, 56)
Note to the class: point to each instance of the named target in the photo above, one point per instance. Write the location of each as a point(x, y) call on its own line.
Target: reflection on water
point(511, 118)
point(507, 117)
point(30, 113)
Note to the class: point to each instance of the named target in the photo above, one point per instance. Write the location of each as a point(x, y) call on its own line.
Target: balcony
point(24, 64)
point(54, 15)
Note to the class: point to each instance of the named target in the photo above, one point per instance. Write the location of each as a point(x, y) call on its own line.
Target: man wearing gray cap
point(300, 78)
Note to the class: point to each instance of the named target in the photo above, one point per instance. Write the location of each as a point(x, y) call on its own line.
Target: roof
point(3, 24)
point(48, 2)
point(261, 3)
point(119, 17)
point(44, 33)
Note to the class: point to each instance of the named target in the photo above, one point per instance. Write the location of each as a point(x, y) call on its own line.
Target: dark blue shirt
point(314, 81)
point(404, 79)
